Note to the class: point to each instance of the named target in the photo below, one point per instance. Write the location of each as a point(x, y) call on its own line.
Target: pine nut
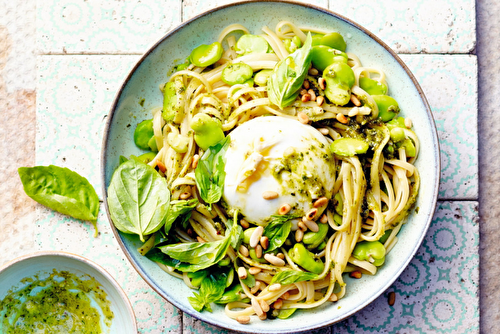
point(333, 298)
point(303, 91)
point(263, 316)
point(274, 260)
point(161, 166)
point(306, 84)
point(313, 94)
point(270, 195)
point(255, 288)
point(322, 83)
point(303, 118)
point(310, 224)
point(324, 131)
point(408, 123)
point(200, 239)
point(305, 97)
point(258, 251)
point(255, 237)
point(274, 287)
point(342, 119)
point(311, 214)
point(256, 306)
point(319, 101)
point(313, 71)
point(254, 270)
point(264, 306)
point(322, 201)
point(284, 209)
point(281, 256)
point(391, 298)
point(185, 195)
point(244, 251)
point(194, 163)
point(324, 219)
point(242, 273)
point(299, 235)
point(285, 296)
point(353, 112)
point(302, 226)
point(244, 223)
point(278, 304)
point(355, 100)
point(264, 242)
point(356, 274)
point(243, 319)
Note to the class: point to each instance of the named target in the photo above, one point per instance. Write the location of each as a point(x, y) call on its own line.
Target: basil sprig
point(287, 277)
point(179, 208)
point(62, 190)
point(278, 230)
point(211, 290)
point(288, 76)
point(210, 172)
point(138, 199)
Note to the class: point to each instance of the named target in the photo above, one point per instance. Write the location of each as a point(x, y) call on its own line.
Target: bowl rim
point(79, 258)
point(427, 107)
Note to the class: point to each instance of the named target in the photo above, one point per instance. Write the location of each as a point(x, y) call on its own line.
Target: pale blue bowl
point(152, 70)
point(42, 264)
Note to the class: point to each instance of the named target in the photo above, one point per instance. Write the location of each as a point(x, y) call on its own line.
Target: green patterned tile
point(103, 26)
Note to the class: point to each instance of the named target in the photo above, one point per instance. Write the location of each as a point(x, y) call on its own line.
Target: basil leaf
point(249, 281)
point(288, 75)
point(62, 190)
point(179, 208)
point(277, 230)
point(138, 199)
point(286, 277)
point(193, 256)
point(210, 173)
point(211, 289)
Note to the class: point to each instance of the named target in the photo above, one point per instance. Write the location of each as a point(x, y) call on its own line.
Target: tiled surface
point(87, 84)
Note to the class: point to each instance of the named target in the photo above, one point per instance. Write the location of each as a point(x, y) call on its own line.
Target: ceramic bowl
point(141, 86)
point(42, 263)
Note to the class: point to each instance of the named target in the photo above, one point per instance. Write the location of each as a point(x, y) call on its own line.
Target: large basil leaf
point(62, 190)
point(179, 208)
point(193, 256)
point(288, 76)
point(286, 277)
point(211, 289)
point(210, 173)
point(138, 199)
point(278, 230)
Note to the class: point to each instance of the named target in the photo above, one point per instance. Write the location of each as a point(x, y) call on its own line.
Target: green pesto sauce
point(59, 303)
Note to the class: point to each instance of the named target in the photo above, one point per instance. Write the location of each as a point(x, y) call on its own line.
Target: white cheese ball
point(280, 155)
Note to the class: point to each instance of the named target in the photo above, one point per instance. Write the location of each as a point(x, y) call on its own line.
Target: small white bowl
point(13, 272)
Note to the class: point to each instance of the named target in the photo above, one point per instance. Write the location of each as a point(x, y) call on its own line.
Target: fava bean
point(372, 87)
point(338, 204)
point(143, 133)
point(397, 134)
point(334, 40)
point(261, 77)
point(247, 234)
point(173, 101)
point(206, 55)
point(373, 251)
point(248, 44)
point(208, 130)
point(313, 239)
point(304, 258)
point(178, 142)
point(322, 56)
point(348, 147)
point(236, 73)
point(410, 149)
point(339, 78)
point(316, 39)
point(388, 107)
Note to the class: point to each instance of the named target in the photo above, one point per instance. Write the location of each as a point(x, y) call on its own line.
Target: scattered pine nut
point(255, 288)
point(408, 123)
point(255, 237)
point(311, 214)
point(324, 219)
point(264, 242)
point(285, 296)
point(284, 209)
point(333, 298)
point(194, 163)
point(274, 287)
point(242, 273)
point(355, 274)
point(299, 235)
point(185, 195)
point(322, 201)
point(243, 319)
point(306, 97)
point(310, 224)
point(353, 112)
point(303, 91)
point(306, 84)
point(258, 251)
point(281, 256)
point(342, 119)
point(270, 194)
point(256, 306)
point(244, 223)
point(313, 94)
point(319, 101)
point(278, 304)
point(322, 83)
point(355, 100)
point(161, 166)
point(244, 251)
point(263, 305)
point(313, 71)
point(302, 226)
point(391, 298)
point(303, 118)
point(263, 316)
point(324, 131)
point(200, 239)
point(274, 260)
point(254, 270)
